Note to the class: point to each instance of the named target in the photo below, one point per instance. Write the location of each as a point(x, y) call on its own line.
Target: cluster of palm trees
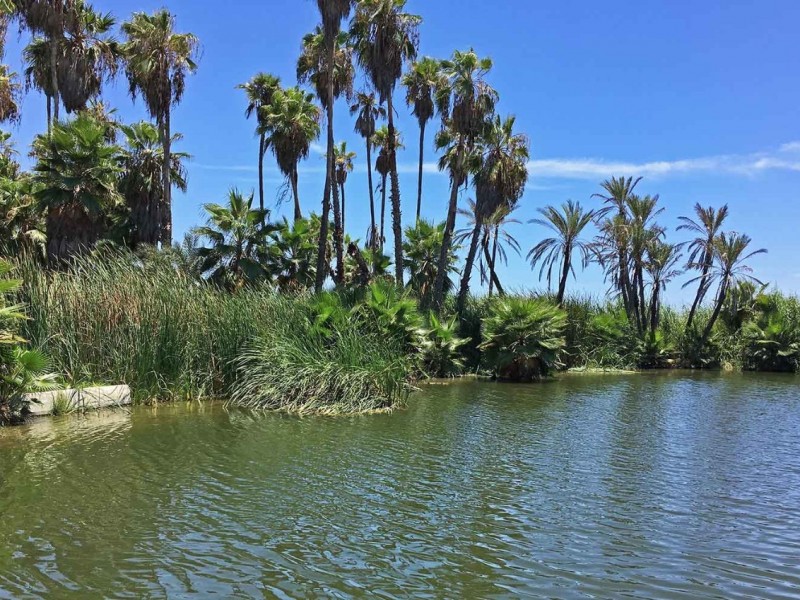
point(72, 54)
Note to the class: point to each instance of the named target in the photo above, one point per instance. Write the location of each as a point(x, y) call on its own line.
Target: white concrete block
point(85, 399)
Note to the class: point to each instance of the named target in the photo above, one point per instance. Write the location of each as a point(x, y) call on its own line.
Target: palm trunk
point(344, 227)
point(654, 302)
point(166, 216)
point(421, 163)
point(49, 113)
point(447, 241)
point(338, 237)
point(298, 214)
point(397, 225)
point(261, 178)
point(371, 195)
point(465, 276)
point(494, 281)
point(715, 315)
point(383, 210)
point(329, 183)
point(562, 285)
point(492, 273)
point(702, 289)
point(54, 75)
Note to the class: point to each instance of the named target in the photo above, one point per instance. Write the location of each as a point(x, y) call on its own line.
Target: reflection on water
point(650, 486)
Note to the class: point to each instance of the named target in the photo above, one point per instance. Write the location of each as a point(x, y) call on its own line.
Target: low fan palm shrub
point(523, 338)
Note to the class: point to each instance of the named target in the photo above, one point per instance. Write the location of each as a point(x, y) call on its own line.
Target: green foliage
point(442, 347)
point(422, 247)
point(772, 339)
point(523, 338)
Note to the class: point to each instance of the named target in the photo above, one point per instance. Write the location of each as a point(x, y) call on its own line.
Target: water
point(648, 486)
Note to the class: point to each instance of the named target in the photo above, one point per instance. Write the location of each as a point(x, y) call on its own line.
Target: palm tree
point(729, 269)
point(76, 177)
point(385, 39)
point(422, 246)
point(291, 125)
point(140, 181)
point(662, 267)
point(567, 223)
point(367, 112)
point(36, 56)
point(50, 19)
point(9, 95)
point(313, 67)
point(422, 81)
point(157, 63)
point(90, 56)
point(259, 91)
point(500, 181)
point(344, 166)
point(701, 248)
point(332, 13)
point(466, 105)
point(499, 238)
point(237, 237)
point(381, 141)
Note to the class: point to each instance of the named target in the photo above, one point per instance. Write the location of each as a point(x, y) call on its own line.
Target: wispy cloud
point(785, 158)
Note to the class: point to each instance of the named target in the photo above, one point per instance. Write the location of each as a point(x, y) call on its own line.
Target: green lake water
point(648, 486)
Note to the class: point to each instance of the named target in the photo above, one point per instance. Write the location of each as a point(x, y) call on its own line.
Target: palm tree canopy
point(567, 223)
point(292, 123)
point(381, 141)
point(312, 66)
point(422, 81)
point(343, 161)
point(259, 91)
point(468, 100)
point(367, 111)
point(707, 227)
point(385, 38)
point(158, 60)
point(503, 174)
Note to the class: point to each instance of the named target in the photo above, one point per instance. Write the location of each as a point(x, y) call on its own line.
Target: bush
point(523, 338)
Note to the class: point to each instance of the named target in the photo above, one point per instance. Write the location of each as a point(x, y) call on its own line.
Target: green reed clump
point(113, 318)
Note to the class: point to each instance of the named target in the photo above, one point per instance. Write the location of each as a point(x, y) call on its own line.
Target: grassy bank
point(115, 318)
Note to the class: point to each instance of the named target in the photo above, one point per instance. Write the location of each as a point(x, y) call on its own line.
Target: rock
point(43, 403)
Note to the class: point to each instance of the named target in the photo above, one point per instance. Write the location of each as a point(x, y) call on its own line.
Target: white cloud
point(596, 168)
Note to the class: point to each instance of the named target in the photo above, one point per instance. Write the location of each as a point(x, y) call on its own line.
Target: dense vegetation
point(239, 309)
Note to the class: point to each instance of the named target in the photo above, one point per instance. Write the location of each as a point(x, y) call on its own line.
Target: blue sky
point(700, 98)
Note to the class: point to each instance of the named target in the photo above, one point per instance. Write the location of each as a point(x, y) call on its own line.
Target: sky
point(701, 99)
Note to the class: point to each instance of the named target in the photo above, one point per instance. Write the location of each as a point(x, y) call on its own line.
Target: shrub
point(523, 338)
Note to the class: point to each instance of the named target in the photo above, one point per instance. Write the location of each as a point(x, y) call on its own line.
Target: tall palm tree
point(237, 238)
point(89, 56)
point(466, 105)
point(382, 141)
point(332, 13)
point(729, 269)
point(36, 56)
point(385, 39)
point(76, 177)
point(259, 91)
point(344, 166)
point(50, 19)
point(500, 181)
point(313, 67)
point(498, 237)
point(292, 123)
point(422, 81)
point(367, 111)
point(707, 227)
point(567, 223)
point(157, 62)
point(662, 267)
point(140, 179)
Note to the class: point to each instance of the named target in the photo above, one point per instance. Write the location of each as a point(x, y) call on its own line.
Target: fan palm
point(422, 247)
point(237, 237)
point(567, 223)
point(9, 95)
point(76, 177)
point(385, 39)
point(140, 181)
point(707, 228)
point(158, 61)
point(367, 112)
point(344, 166)
point(466, 104)
point(422, 81)
point(381, 140)
point(313, 67)
point(291, 125)
point(259, 91)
